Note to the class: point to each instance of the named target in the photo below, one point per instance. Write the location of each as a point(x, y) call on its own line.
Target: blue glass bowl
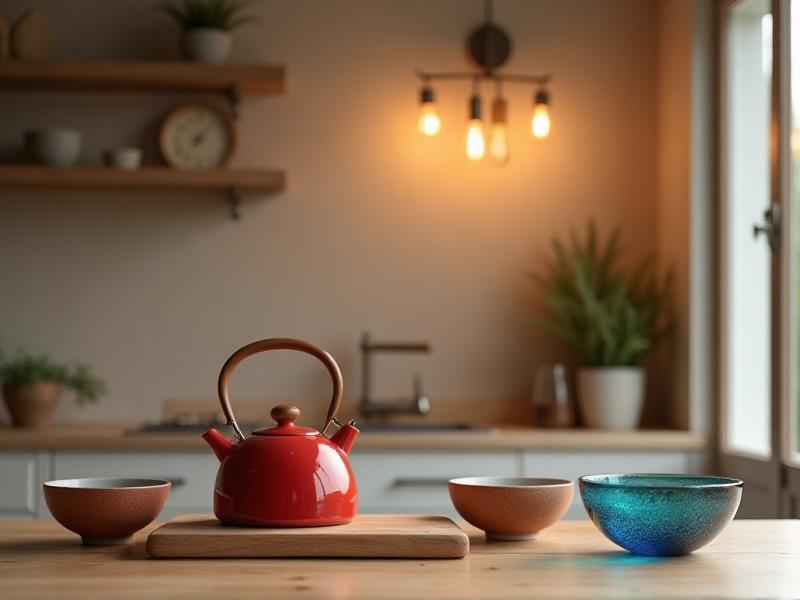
point(660, 515)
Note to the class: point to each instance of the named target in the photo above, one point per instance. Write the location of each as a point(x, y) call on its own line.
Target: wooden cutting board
point(372, 536)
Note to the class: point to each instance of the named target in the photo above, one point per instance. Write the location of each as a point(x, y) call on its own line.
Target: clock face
point(197, 136)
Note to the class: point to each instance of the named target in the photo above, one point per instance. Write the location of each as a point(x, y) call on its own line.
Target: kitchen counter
point(112, 437)
point(751, 559)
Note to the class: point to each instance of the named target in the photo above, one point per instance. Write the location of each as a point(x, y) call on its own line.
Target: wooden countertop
point(111, 437)
point(751, 559)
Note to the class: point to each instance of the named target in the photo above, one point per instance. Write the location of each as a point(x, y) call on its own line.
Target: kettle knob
point(283, 414)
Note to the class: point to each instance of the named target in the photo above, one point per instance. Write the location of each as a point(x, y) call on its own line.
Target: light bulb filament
point(498, 144)
point(429, 123)
point(540, 123)
point(476, 145)
point(498, 147)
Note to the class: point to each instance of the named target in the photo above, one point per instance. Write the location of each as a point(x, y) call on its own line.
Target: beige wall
point(685, 209)
point(379, 229)
point(673, 177)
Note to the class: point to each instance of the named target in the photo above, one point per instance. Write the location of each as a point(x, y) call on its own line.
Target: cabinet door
point(192, 473)
point(22, 474)
point(414, 482)
point(563, 465)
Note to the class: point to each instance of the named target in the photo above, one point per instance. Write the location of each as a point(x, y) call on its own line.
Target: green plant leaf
point(28, 369)
point(215, 14)
point(610, 316)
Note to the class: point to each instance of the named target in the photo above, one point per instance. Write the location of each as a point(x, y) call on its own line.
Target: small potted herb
point(32, 387)
point(613, 317)
point(205, 26)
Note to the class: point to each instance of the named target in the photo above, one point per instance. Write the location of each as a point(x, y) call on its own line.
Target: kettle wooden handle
point(277, 344)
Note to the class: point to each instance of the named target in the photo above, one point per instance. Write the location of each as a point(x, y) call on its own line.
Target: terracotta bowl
point(105, 511)
point(511, 508)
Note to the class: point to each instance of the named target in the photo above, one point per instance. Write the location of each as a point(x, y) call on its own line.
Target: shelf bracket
point(236, 202)
point(235, 98)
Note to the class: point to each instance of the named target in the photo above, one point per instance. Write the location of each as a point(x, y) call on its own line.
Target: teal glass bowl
point(660, 515)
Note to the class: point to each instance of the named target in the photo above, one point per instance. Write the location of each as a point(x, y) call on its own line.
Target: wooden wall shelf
point(178, 76)
point(234, 181)
point(141, 75)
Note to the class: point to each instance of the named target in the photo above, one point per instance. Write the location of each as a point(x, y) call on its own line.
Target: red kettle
point(286, 475)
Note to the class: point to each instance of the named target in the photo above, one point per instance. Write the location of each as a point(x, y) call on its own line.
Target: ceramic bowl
point(53, 147)
point(105, 511)
point(127, 158)
point(511, 508)
point(660, 515)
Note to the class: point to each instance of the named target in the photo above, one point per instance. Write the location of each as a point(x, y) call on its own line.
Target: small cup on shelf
point(128, 158)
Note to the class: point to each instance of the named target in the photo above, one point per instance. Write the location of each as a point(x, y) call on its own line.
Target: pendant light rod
point(472, 75)
point(488, 11)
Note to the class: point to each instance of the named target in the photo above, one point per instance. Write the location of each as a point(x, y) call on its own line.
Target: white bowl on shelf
point(53, 147)
point(127, 158)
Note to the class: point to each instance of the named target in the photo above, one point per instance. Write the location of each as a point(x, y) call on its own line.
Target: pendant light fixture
point(540, 123)
point(489, 47)
point(429, 123)
point(476, 142)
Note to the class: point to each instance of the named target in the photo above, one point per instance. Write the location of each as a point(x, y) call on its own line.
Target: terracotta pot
point(32, 405)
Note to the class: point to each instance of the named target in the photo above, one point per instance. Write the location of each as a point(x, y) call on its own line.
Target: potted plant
point(32, 387)
point(612, 316)
point(205, 26)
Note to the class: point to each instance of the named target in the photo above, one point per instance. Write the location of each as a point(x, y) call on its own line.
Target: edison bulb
point(429, 123)
point(498, 146)
point(476, 146)
point(540, 124)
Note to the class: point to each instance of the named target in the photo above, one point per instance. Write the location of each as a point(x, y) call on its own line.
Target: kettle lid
point(285, 415)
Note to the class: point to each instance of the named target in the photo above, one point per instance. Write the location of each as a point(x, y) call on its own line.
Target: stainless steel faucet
point(418, 405)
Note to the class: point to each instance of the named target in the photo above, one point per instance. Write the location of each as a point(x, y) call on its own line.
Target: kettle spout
point(221, 445)
point(345, 437)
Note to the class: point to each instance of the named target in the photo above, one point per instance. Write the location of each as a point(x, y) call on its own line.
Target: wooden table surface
point(752, 559)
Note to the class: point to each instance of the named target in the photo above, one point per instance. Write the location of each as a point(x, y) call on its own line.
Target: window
point(746, 291)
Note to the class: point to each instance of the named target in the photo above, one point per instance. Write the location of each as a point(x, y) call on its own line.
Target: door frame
point(758, 472)
point(788, 402)
point(779, 477)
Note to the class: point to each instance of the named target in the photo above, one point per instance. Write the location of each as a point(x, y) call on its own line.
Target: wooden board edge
point(433, 546)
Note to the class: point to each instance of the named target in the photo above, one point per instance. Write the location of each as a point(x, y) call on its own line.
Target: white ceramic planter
point(206, 45)
point(611, 397)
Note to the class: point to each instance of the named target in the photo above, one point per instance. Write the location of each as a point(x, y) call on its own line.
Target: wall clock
point(197, 136)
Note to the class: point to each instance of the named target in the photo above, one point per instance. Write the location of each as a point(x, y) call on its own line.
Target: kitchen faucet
point(418, 405)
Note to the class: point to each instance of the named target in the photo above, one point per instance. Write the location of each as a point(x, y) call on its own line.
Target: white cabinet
point(414, 482)
point(21, 478)
point(572, 465)
point(401, 481)
point(192, 473)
